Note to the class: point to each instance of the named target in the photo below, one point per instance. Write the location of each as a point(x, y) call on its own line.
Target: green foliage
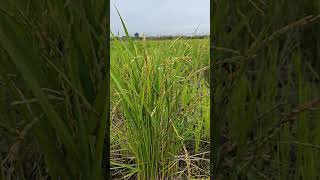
point(54, 86)
point(160, 108)
point(265, 86)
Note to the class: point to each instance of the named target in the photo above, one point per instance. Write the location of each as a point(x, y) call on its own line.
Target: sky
point(161, 17)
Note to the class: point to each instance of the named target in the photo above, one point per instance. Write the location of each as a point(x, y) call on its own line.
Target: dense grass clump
point(265, 89)
point(160, 109)
point(53, 89)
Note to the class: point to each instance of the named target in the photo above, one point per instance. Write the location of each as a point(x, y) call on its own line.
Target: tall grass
point(265, 89)
point(160, 108)
point(54, 88)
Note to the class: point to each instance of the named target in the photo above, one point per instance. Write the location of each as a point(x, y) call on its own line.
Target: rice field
point(54, 89)
point(265, 89)
point(263, 98)
point(160, 109)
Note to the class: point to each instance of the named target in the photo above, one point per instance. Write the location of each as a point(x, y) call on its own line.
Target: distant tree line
point(137, 37)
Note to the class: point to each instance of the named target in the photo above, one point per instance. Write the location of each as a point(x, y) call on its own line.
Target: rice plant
point(159, 108)
point(54, 89)
point(265, 89)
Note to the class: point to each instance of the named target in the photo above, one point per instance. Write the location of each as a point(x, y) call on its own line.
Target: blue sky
point(161, 17)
